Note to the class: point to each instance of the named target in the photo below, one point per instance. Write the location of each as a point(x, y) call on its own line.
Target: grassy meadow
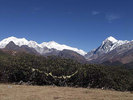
point(23, 92)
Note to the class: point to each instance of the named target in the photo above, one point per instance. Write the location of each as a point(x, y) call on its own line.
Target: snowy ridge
point(53, 44)
point(39, 47)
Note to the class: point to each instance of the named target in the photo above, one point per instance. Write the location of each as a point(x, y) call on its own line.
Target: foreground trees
point(38, 70)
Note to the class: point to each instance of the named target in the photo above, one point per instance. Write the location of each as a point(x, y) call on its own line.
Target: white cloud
point(95, 12)
point(112, 17)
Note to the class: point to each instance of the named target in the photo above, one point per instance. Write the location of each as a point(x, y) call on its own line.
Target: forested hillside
point(39, 70)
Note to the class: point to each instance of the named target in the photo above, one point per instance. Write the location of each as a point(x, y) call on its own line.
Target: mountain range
point(46, 48)
point(111, 50)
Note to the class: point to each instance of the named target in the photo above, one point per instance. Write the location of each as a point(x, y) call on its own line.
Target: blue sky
point(78, 23)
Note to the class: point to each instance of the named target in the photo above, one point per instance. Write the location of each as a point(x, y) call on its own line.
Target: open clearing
point(22, 92)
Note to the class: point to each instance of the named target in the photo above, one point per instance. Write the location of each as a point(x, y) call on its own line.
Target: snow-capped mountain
point(107, 46)
point(42, 48)
point(111, 43)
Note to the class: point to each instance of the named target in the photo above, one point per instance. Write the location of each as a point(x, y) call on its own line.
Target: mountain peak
point(108, 45)
point(12, 38)
point(112, 39)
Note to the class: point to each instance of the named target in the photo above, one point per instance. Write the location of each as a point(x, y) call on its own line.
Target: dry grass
point(21, 92)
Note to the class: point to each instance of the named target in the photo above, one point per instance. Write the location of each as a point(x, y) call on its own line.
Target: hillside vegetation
point(21, 68)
